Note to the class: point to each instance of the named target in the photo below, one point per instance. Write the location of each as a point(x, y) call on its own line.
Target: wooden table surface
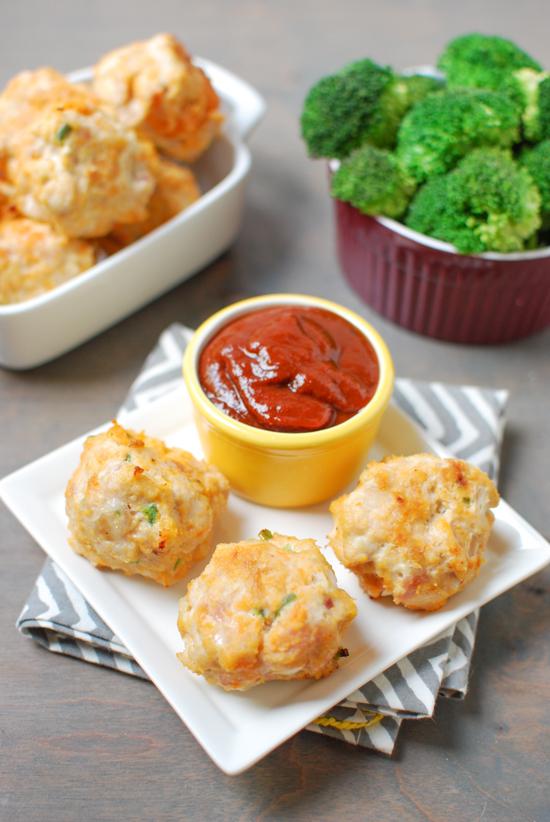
point(81, 742)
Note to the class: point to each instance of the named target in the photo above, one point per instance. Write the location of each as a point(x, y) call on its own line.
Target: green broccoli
point(431, 213)
point(404, 93)
point(481, 61)
point(442, 128)
point(544, 109)
point(487, 203)
point(531, 90)
point(537, 162)
point(372, 180)
point(354, 106)
point(418, 86)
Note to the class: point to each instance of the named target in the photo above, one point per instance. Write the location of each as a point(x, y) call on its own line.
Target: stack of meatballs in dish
point(269, 608)
point(86, 170)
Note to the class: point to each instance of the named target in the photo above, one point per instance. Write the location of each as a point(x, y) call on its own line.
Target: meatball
point(415, 528)
point(154, 87)
point(264, 609)
point(175, 190)
point(41, 87)
point(35, 258)
point(30, 92)
point(136, 506)
point(81, 171)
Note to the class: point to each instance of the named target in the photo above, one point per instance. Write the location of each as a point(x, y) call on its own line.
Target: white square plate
point(237, 729)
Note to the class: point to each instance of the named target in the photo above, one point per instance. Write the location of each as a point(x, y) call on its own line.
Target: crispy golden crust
point(415, 528)
point(79, 170)
point(136, 506)
point(175, 190)
point(154, 87)
point(7, 210)
point(35, 258)
point(264, 610)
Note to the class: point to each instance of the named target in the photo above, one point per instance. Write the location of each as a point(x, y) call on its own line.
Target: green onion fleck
point(285, 601)
point(176, 563)
point(63, 132)
point(467, 500)
point(260, 612)
point(151, 512)
point(128, 457)
point(265, 534)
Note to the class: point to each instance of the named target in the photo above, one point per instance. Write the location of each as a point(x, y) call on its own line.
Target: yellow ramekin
point(285, 470)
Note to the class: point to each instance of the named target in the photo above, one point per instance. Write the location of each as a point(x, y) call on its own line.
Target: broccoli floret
point(401, 95)
point(354, 106)
point(397, 98)
point(537, 162)
point(429, 211)
point(372, 180)
point(531, 89)
point(487, 203)
point(481, 61)
point(386, 116)
point(418, 86)
point(439, 130)
point(544, 109)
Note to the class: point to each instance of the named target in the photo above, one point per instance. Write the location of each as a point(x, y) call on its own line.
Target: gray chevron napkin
point(467, 420)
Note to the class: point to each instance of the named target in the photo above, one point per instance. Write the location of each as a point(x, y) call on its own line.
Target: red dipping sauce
point(289, 368)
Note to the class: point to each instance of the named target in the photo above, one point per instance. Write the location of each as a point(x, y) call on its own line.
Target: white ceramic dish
point(46, 326)
point(238, 729)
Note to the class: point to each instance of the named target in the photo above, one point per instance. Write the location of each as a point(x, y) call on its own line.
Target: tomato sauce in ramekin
point(289, 368)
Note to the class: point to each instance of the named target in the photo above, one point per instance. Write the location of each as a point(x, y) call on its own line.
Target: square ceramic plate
point(237, 729)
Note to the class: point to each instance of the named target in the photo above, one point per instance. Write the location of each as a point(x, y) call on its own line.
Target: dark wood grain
point(86, 743)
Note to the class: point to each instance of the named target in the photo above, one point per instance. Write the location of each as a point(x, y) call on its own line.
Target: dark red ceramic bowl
point(424, 285)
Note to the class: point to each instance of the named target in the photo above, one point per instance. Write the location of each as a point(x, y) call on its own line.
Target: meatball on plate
point(270, 609)
point(136, 506)
point(415, 528)
point(261, 610)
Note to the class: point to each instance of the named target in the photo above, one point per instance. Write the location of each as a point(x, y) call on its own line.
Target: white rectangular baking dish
point(46, 326)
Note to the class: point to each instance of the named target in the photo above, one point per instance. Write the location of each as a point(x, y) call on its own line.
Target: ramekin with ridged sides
point(286, 470)
point(426, 286)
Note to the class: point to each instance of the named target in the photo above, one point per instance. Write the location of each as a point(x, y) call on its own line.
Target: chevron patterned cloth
point(467, 420)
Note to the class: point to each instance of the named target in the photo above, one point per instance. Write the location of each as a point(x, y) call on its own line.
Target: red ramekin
point(424, 285)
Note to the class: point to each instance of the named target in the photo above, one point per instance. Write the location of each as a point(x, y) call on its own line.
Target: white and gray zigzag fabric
point(467, 420)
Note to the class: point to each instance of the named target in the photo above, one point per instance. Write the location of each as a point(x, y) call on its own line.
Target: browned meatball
point(415, 528)
point(136, 506)
point(264, 609)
